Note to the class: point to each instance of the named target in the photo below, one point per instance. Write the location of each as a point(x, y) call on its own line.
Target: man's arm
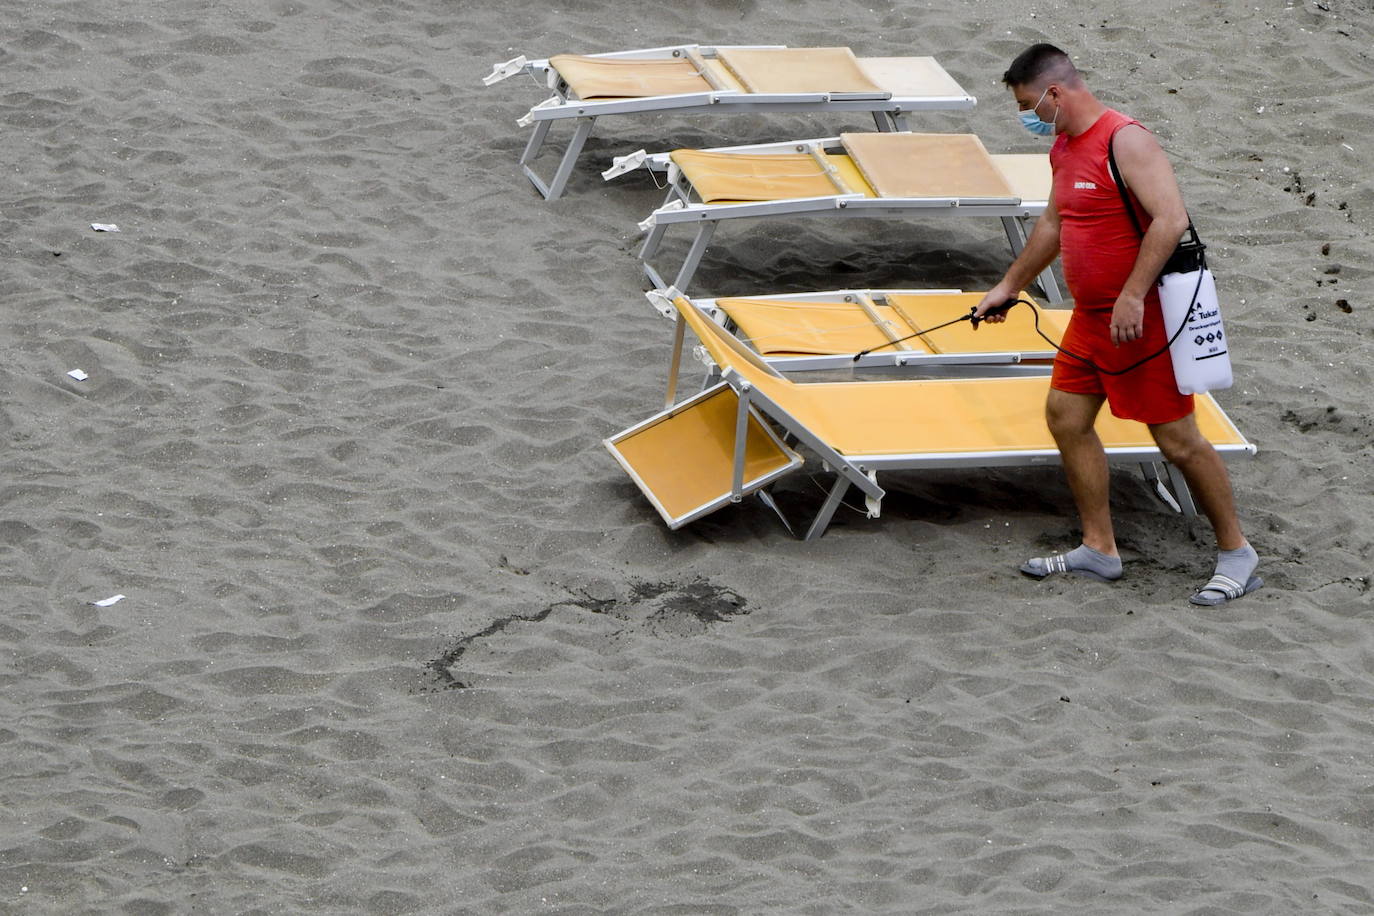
point(1041, 249)
point(1147, 172)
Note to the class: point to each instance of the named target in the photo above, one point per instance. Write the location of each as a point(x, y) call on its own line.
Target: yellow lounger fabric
point(798, 70)
point(778, 327)
point(687, 460)
point(757, 70)
point(926, 417)
point(892, 165)
point(737, 177)
point(609, 78)
point(911, 77)
point(927, 165)
point(1028, 174)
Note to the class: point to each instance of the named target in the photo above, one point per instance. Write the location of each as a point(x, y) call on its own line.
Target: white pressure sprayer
point(1192, 315)
point(1188, 295)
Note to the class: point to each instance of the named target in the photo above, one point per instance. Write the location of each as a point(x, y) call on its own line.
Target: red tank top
point(1098, 244)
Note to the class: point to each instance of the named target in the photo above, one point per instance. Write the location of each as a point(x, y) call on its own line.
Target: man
point(1117, 320)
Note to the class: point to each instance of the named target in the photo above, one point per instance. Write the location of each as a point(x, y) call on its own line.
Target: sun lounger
point(860, 429)
point(888, 175)
point(800, 332)
point(695, 79)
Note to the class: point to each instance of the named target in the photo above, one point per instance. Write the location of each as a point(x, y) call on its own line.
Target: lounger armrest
point(667, 52)
point(506, 70)
point(530, 117)
point(691, 213)
point(774, 98)
point(595, 108)
point(860, 96)
point(662, 301)
point(663, 213)
point(622, 164)
point(904, 203)
point(784, 147)
point(711, 50)
point(658, 162)
point(903, 103)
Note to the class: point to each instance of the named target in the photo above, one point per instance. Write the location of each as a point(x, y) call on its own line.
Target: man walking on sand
point(1111, 270)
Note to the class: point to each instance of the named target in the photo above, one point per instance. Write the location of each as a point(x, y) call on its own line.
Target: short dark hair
point(1036, 61)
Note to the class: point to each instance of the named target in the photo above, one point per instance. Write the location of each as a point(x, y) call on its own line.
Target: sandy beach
point(397, 634)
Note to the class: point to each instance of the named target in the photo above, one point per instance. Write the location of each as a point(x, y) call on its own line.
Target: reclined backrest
point(610, 78)
point(725, 348)
point(778, 326)
point(729, 353)
point(724, 177)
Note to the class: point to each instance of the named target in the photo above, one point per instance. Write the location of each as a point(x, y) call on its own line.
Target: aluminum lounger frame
point(996, 362)
point(678, 208)
point(861, 471)
point(889, 111)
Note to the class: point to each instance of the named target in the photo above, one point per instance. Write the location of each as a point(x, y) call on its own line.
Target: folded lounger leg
point(1181, 491)
point(554, 188)
point(705, 230)
point(648, 249)
point(846, 472)
point(695, 254)
point(766, 498)
point(1181, 500)
point(827, 510)
point(1178, 497)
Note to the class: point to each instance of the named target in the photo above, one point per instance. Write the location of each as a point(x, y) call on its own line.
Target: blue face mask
point(1031, 121)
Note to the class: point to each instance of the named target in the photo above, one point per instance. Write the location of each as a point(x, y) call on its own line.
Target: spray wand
point(971, 317)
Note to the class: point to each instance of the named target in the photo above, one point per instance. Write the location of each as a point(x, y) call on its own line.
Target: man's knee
point(1071, 415)
point(1181, 441)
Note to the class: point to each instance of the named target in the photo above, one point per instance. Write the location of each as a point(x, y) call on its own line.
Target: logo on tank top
point(1084, 186)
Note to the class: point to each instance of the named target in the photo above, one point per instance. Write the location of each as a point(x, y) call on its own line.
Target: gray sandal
point(1221, 589)
point(1081, 561)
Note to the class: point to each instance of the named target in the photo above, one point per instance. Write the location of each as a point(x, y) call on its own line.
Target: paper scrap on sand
point(78, 375)
point(104, 227)
point(113, 599)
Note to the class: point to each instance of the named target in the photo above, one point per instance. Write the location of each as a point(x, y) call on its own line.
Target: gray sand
point(400, 637)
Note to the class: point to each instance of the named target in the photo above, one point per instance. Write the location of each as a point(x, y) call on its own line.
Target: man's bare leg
point(1188, 450)
point(1070, 418)
point(1185, 448)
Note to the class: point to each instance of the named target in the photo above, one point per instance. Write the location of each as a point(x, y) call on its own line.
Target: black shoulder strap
point(1125, 198)
point(1121, 186)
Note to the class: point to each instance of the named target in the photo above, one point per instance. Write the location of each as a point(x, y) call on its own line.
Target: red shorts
point(1147, 393)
